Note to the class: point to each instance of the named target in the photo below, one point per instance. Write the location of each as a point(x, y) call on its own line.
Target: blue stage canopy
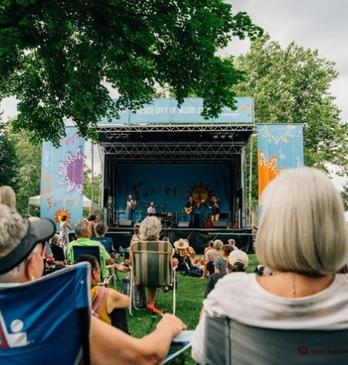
point(167, 111)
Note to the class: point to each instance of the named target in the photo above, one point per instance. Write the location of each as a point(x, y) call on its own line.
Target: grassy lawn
point(189, 302)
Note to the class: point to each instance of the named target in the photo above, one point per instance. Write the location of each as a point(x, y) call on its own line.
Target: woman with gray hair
point(303, 240)
point(149, 230)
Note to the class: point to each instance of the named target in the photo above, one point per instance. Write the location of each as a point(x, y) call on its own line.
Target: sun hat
point(238, 256)
point(181, 244)
point(38, 231)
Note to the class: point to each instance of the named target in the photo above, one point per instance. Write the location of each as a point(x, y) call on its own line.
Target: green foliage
point(92, 183)
point(60, 57)
point(8, 160)
point(28, 169)
point(291, 85)
point(344, 195)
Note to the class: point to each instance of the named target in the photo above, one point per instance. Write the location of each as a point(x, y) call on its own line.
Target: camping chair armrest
point(185, 340)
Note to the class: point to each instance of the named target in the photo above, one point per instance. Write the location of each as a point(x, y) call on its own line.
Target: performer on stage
point(131, 205)
point(215, 209)
point(151, 210)
point(189, 209)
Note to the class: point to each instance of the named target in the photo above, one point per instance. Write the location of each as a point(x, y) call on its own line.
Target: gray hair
point(82, 227)
point(7, 196)
point(302, 227)
point(150, 227)
point(12, 229)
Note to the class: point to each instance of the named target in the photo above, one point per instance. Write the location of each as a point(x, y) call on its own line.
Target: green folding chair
point(151, 263)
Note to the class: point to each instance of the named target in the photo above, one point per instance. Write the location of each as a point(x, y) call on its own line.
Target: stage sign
point(62, 178)
point(280, 147)
point(167, 111)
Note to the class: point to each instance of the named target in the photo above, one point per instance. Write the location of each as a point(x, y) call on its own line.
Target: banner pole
point(250, 177)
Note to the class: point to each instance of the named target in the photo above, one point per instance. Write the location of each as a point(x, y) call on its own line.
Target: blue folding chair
point(46, 321)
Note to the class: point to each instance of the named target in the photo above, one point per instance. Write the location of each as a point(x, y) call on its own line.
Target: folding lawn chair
point(152, 266)
point(231, 342)
point(94, 251)
point(46, 321)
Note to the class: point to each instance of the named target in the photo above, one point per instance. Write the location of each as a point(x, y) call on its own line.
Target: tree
point(8, 160)
point(344, 195)
point(92, 183)
point(60, 58)
point(292, 85)
point(28, 170)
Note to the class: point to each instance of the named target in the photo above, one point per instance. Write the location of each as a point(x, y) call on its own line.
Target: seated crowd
point(302, 243)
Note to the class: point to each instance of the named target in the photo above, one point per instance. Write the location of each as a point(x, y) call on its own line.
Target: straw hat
point(181, 244)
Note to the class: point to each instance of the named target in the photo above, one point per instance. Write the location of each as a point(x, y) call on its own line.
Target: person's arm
point(110, 346)
point(116, 300)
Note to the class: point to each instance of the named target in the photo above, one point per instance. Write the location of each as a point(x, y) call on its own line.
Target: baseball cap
point(238, 256)
point(39, 231)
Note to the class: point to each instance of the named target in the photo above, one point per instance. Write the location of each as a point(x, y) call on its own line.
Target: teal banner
point(164, 110)
point(62, 178)
point(280, 147)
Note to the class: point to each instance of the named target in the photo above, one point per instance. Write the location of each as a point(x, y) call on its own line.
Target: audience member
point(64, 227)
point(221, 261)
point(92, 219)
point(212, 255)
point(303, 239)
point(107, 304)
point(84, 233)
point(7, 196)
point(149, 230)
point(108, 344)
point(100, 231)
point(237, 261)
point(205, 270)
point(56, 248)
point(182, 255)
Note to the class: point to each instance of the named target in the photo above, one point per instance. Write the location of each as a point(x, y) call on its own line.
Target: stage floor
point(198, 238)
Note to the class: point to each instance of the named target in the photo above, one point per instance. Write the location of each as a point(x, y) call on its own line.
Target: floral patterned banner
point(280, 147)
point(62, 178)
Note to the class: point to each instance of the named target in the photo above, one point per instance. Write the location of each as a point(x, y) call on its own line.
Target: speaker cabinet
point(220, 224)
point(183, 224)
point(125, 223)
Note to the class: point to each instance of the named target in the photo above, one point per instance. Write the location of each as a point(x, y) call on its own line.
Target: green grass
point(190, 294)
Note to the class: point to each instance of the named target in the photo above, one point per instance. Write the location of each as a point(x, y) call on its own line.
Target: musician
point(131, 205)
point(215, 209)
point(189, 209)
point(151, 210)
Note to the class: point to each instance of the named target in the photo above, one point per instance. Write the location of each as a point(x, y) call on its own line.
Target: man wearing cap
point(84, 233)
point(238, 261)
point(21, 260)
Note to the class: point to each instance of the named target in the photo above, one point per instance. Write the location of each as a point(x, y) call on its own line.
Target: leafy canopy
point(292, 85)
point(60, 58)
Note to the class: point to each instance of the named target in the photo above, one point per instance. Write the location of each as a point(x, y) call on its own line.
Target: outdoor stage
point(164, 154)
point(198, 238)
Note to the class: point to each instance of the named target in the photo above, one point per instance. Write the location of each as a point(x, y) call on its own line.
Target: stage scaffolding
point(146, 143)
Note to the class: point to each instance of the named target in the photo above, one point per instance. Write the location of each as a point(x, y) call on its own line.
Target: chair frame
point(134, 273)
point(228, 341)
point(94, 251)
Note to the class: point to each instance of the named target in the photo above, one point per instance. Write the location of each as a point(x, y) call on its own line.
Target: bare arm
point(116, 300)
point(110, 346)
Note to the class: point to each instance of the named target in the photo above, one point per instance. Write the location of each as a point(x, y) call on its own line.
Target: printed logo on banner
point(62, 178)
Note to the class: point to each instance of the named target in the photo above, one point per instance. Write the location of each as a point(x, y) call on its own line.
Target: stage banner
point(62, 178)
point(163, 110)
point(280, 147)
point(169, 186)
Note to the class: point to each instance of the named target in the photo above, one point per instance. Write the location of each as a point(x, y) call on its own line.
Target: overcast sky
point(315, 24)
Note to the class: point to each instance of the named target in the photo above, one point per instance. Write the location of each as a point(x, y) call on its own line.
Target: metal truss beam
point(173, 151)
point(182, 128)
